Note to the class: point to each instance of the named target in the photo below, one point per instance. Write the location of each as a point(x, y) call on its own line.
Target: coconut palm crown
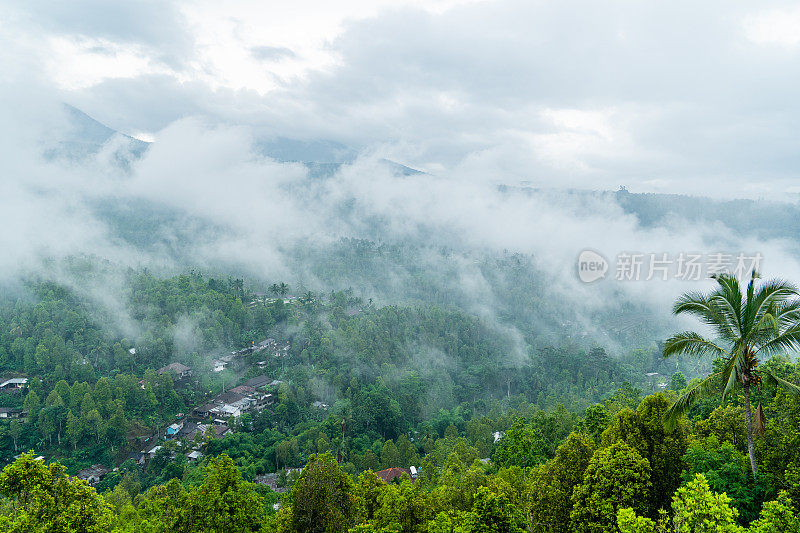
point(747, 326)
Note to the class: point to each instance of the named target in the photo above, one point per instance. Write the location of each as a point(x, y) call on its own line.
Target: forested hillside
point(612, 467)
point(502, 432)
point(91, 365)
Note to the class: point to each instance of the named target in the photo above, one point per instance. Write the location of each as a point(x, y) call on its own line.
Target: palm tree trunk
point(749, 417)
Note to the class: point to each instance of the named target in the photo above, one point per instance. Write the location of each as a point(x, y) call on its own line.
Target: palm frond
point(690, 302)
point(707, 311)
point(726, 322)
point(766, 329)
point(788, 387)
point(760, 318)
point(786, 341)
point(787, 313)
point(691, 343)
point(732, 370)
point(685, 402)
point(771, 292)
point(729, 299)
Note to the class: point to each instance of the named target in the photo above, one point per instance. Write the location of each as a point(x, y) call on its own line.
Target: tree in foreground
point(777, 516)
point(321, 501)
point(46, 500)
point(224, 502)
point(616, 477)
point(761, 320)
point(554, 481)
point(644, 431)
point(493, 513)
point(695, 508)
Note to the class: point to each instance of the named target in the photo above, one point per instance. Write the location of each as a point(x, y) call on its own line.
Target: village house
point(282, 351)
point(219, 430)
point(270, 480)
point(233, 404)
point(244, 390)
point(194, 455)
point(257, 382)
point(391, 474)
point(229, 398)
point(196, 429)
point(178, 370)
point(13, 384)
point(256, 388)
point(174, 429)
point(253, 348)
point(239, 400)
point(37, 458)
point(204, 411)
point(149, 454)
point(262, 399)
point(268, 343)
point(10, 412)
point(137, 457)
point(226, 411)
point(93, 475)
point(187, 428)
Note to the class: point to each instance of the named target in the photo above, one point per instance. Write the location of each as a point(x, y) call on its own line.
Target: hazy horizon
point(279, 131)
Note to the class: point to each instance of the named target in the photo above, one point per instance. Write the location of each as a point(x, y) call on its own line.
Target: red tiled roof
point(392, 473)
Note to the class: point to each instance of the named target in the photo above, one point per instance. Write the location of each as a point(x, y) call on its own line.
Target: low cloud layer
point(659, 97)
point(249, 212)
point(485, 97)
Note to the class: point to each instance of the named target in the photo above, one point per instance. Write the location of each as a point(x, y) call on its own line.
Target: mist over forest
point(399, 266)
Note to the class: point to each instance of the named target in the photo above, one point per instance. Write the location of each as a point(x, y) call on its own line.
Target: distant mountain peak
point(86, 136)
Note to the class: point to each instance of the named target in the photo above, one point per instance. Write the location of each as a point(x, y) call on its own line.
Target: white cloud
point(78, 63)
point(774, 27)
point(658, 96)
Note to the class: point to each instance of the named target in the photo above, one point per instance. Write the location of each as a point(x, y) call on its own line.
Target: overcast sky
point(696, 97)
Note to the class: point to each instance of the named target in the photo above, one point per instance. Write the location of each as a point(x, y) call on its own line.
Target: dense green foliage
point(506, 435)
point(579, 487)
point(386, 371)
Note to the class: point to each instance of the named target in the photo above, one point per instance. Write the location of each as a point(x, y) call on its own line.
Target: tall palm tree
point(308, 297)
point(283, 288)
point(761, 321)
